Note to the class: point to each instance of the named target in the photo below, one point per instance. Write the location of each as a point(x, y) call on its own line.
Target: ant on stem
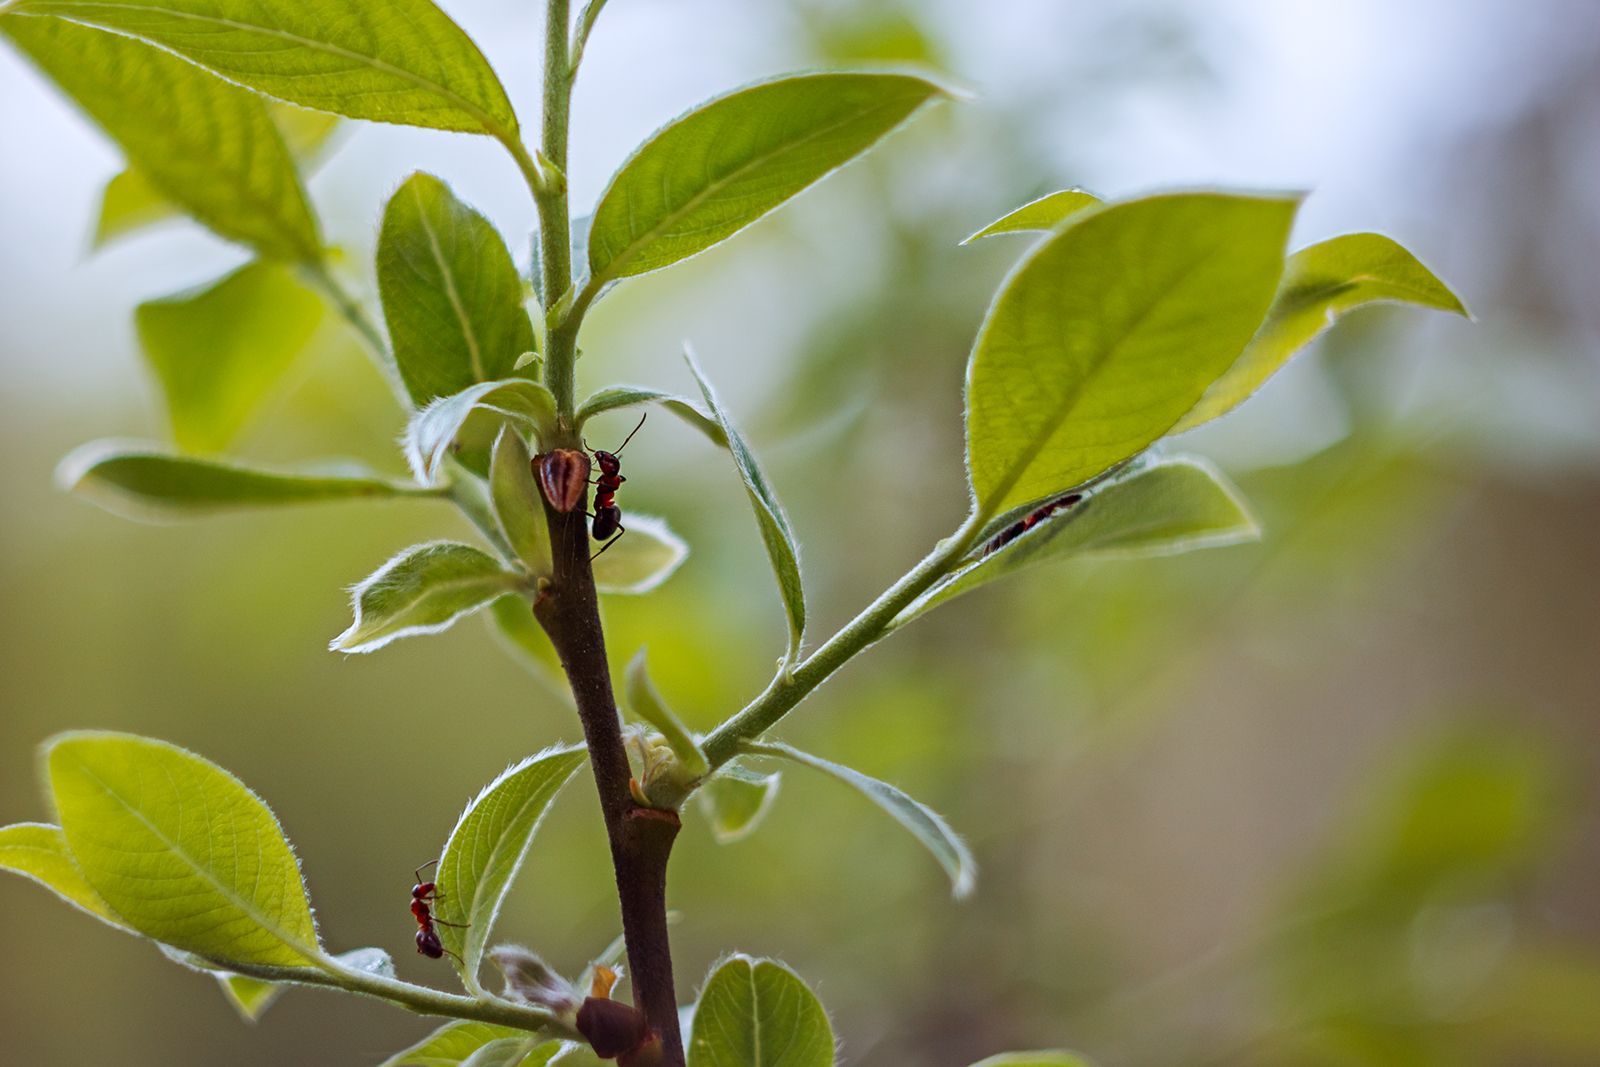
point(423, 894)
point(607, 516)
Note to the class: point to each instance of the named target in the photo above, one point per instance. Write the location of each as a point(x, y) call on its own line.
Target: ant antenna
point(628, 438)
point(425, 866)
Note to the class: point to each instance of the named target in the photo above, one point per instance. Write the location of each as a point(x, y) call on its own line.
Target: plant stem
point(641, 838)
point(786, 691)
point(352, 312)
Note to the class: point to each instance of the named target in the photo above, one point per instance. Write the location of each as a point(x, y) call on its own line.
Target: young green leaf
point(925, 824)
point(39, 851)
point(450, 1044)
point(144, 481)
point(1045, 213)
point(203, 144)
point(736, 800)
point(435, 428)
point(1319, 284)
point(758, 1013)
point(1053, 1057)
point(250, 997)
point(1109, 331)
point(709, 174)
point(1172, 506)
point(130, 203)
point(451, 295)
point(648, 705)
point(220, 351)
point(487, 847)
point(423, 590)
point(181, 850)
point(621, 396)
point(782, 548)
point(399, 61)
point(503, 1052)
point(518, 506)
point(640, 559)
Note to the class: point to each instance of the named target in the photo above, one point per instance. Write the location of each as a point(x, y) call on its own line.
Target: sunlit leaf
point(1109, 331)
point(436, 427)
point(923, 822)
point(517, 503)
point(736, 800)
point(451, 295)
point(203, 144)
point(398, 61)
point(782, 549)
point(219, 352)
point(181, 850)
point(309, 134)
point(39, 851)
point(450, 1044)
point(621, 396)
point(758, 1013)
point(502, 1052)
point(487, 847)
point(648, 705)
point(1045, 1058)
point(641, 558)
point(1172, 506)
point(1045, 213)
point(1319, 284)
point(144, 481)
point(130, 203)
point(423, 590)
point(250, 997)
point(709, 174)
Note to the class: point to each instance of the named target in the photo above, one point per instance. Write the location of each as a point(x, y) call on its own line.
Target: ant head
point(609, 463)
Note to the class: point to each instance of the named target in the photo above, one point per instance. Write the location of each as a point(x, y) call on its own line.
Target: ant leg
point(614, 539)
point(460, 926)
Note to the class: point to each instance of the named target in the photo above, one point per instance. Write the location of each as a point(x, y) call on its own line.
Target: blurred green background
point(1328, 799)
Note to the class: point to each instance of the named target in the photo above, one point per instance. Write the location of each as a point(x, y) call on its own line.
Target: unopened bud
point(612, 1027)
point(564, 477)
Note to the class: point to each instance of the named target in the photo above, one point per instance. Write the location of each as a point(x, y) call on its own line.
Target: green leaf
point(641, 559)
point(181, 850)
point(250, 997)
point(648, 705)
point(450, 1044)
point(435, 428)
point(1045, 213)
point(487, 847)
point(130, 203)
point(923, 822)
point(399, 61)
point(621, 396)
point(518, 505)
point(736, 800)
point(1175, 505)
point(1319, 284)
point(709, 174)
point(1052, 1057)
point(203, 144)
point(219, 352)
point(144, 481)
point(423, 590)
point(758, 1013)
point(782, 548)
point(451, 295)
point(39, 851)
point(504, 1052)
point(1109, 331)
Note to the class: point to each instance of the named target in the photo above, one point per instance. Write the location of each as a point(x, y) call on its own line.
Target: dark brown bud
point(612, 1027)
point(564, 477)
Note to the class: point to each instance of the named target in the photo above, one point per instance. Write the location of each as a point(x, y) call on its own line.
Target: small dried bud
point(564, 477)
point(600, 985)
point(529, 979)
point(612, 1027)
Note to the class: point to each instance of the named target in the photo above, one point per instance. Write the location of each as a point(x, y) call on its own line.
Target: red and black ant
point(1022, 526)
point(607, 516)
point(422, 895)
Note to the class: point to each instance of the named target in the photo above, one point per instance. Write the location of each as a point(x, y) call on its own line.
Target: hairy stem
point(787, 690)
point(641, 838)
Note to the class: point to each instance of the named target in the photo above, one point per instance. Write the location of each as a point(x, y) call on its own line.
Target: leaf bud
point(564, 477)
point(529, 979)
point(611, 1027)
